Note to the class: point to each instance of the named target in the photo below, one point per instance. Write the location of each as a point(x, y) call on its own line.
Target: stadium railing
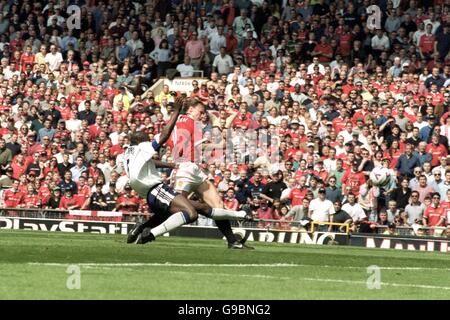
point(314, 226)
point(414, 231)
point(289, 225)
point(267, 224)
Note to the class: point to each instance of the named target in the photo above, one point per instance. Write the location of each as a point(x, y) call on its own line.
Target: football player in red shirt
point(186, 141)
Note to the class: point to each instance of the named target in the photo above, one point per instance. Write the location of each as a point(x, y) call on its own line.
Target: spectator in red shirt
point(298, 193)
point(251, 53)
point(118, 148)
point(241, 121)
point(264, 213)
point(64, 109)
point(423, 188)
point(27, 58)
point(230, 201)
point(345, 42)
point(128, 202)
point(31, 199)
point(436, 150)
point(94, 129)
point(19, 166)
point(426, 42)
point(84, 191)
point(323, 50)
point(434, 215)
point(353, 178)
point(68, 201)
point(12, 198)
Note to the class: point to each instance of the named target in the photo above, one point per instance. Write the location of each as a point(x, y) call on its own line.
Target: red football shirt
point(12, 198)
point(433, 215)
point(31, 201)
point(436, 152)
point(297, 196)
point(426, 43)
point(354, 180)
point(185, 137)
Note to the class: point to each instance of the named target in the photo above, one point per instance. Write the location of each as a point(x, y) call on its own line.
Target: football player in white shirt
point(141, 169)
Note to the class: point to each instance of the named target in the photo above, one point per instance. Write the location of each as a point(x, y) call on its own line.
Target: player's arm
point(231, 117)
point(167, 131)
point(212, 146)
point(161, 164)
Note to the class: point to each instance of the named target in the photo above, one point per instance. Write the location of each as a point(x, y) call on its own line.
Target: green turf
point(320, 272)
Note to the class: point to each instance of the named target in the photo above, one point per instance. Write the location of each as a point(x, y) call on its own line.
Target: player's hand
point(180, 102)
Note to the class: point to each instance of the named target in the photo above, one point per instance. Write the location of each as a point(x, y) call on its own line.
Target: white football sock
point(174, 221)
point(225, 214)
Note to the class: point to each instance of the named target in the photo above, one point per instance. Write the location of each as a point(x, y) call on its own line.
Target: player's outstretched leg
point(135, 231)
point(152, 222)
point(210, 195)
point(223, 225)
point(182, 212)
point(202, 208)
point(233, 242)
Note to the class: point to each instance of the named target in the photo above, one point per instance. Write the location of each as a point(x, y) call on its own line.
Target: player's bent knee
point(210, 195)
point(190, 215)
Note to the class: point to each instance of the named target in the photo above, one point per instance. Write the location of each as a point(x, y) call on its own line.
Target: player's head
point(138, 137)
point(196, 109)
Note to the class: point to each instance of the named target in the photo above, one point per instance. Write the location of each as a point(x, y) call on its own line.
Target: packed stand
point(327, 98)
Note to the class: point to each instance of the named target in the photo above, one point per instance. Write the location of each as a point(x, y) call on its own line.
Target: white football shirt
point(140, 168)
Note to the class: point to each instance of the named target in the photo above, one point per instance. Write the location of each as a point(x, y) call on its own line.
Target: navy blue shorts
point(160, 197)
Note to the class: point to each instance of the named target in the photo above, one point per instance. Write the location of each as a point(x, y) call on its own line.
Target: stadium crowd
point(329, 97)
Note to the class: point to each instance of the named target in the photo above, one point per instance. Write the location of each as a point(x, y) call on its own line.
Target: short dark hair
point(138, 137)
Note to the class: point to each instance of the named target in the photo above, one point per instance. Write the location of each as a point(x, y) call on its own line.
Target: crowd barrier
point(266, 224)
point(313, 233)
point(313, 226)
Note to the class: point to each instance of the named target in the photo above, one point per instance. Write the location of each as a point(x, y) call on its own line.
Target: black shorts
point(160, 197)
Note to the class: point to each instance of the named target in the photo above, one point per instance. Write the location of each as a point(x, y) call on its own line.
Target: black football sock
point(154, 221)
point(225, 227)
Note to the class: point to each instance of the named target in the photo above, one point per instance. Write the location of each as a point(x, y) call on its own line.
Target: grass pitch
point(34, 265)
